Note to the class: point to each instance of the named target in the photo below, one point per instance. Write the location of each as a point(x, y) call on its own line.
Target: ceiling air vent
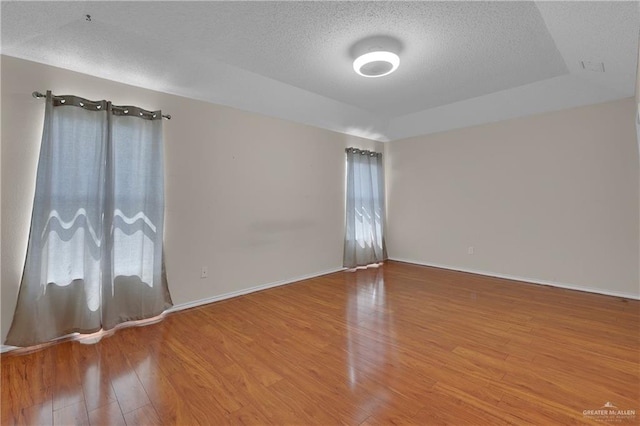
point(592, 66)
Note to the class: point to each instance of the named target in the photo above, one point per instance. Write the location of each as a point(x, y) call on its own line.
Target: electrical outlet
point(204, 273)
point(470, 250)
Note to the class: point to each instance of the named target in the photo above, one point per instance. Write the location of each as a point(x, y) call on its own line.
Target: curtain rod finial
point(37, 95)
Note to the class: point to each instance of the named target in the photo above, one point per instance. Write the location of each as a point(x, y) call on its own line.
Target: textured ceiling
point(462, 63)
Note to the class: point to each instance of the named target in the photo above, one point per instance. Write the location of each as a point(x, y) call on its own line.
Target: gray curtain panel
point(364, 231)
point(95, 255)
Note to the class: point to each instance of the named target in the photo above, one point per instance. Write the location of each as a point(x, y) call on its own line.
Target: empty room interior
point(318, 212)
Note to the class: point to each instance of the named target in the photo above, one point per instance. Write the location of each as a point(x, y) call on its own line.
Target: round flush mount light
point(376, 64)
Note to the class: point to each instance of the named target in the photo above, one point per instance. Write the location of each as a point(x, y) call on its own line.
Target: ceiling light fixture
point(376, 64)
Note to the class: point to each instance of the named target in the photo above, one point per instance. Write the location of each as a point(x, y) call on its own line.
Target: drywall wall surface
point(638, 129)
point(255, 199)
point(551, 198)
point(1, 309)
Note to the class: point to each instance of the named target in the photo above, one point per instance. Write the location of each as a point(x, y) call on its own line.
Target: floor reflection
point(370, 334)
point(69, 382)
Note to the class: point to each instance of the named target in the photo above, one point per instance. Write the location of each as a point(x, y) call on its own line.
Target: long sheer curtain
point(95, 256)
point(364, 233)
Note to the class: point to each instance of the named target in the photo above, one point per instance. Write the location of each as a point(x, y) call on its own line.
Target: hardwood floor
point(389, 345)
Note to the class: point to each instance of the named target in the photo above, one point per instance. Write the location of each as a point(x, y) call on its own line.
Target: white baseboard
point(193, 304)
point(524, 279)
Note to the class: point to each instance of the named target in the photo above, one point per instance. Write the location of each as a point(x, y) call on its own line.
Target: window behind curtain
point(364, 228)
point(95, 252)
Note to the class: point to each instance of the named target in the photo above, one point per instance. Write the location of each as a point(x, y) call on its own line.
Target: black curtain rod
point(39, 95)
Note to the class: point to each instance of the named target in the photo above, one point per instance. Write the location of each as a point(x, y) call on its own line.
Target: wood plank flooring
point(398, 344)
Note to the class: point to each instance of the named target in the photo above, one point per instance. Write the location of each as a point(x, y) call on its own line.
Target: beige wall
point(549, 198)
point(638, 76)
point(259, 200)
point(638, 129)
point(256, 199)
point(1, 195)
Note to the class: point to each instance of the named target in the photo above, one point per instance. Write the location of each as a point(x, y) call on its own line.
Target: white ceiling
point(462, 63)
